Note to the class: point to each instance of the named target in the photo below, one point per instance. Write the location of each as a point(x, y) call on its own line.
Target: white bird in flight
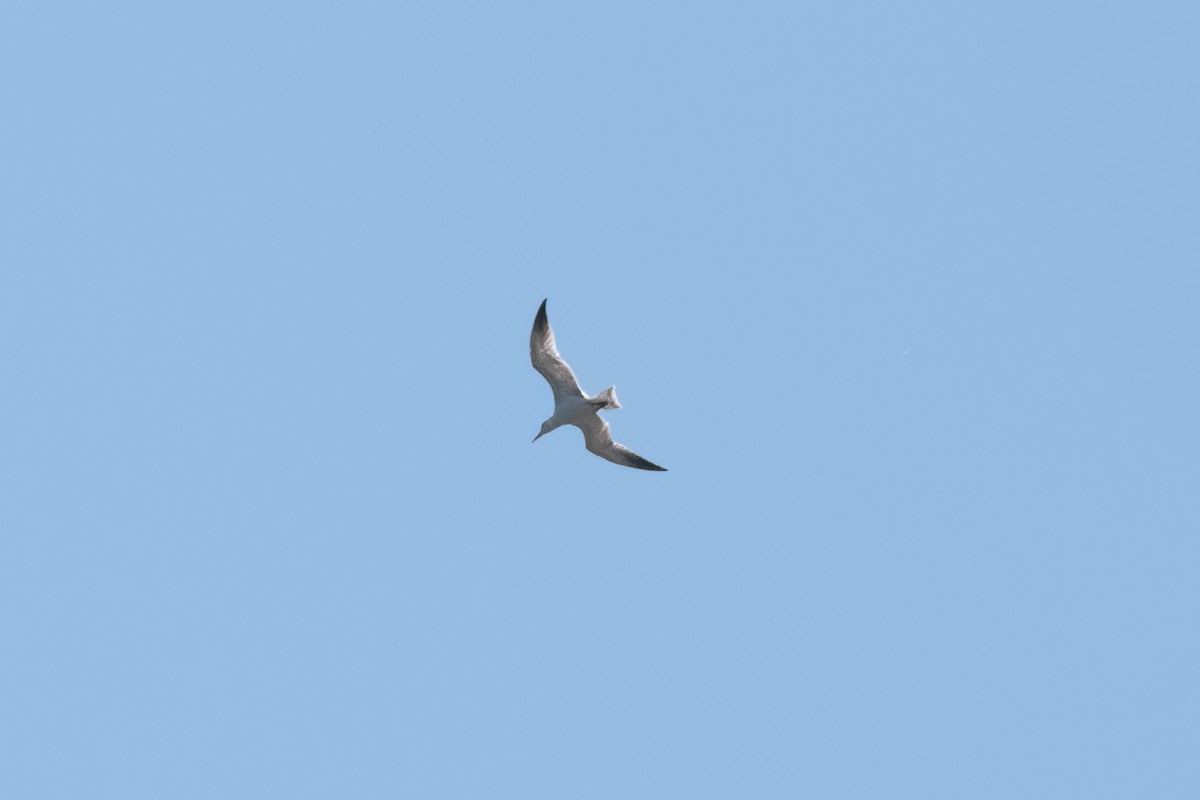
point(571, 405)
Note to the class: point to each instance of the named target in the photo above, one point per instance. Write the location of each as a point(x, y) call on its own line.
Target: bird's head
point(546, 428)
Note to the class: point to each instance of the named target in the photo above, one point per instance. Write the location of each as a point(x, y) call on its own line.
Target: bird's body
point(571, 411)
point(574, 407)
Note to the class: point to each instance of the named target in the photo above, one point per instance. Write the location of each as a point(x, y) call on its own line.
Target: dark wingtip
point(541, 322)
point(637, 462)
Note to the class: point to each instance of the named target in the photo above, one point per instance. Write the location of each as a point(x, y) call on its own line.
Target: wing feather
point(548, 362)
point(598, 440)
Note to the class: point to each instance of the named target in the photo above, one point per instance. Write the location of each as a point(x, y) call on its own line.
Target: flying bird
point(571, 405)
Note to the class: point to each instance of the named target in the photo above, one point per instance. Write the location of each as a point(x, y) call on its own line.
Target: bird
point(572, 406)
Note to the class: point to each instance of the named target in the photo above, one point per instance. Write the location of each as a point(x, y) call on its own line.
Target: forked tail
point(606, 399)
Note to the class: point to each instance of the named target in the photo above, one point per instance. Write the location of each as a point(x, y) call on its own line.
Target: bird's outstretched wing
point(548, 362)
point(599, 441)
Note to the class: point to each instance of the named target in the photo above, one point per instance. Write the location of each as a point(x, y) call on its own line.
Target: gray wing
point(599, 441)
point(548, 362)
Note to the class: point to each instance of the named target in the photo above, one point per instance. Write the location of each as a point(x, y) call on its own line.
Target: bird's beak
point(537, 437)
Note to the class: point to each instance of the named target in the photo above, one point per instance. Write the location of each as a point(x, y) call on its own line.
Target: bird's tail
point(606, 399)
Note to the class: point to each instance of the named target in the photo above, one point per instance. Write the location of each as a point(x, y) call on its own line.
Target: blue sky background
point(904, 295)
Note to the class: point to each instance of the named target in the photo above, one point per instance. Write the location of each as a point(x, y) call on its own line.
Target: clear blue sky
point(905, 296)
